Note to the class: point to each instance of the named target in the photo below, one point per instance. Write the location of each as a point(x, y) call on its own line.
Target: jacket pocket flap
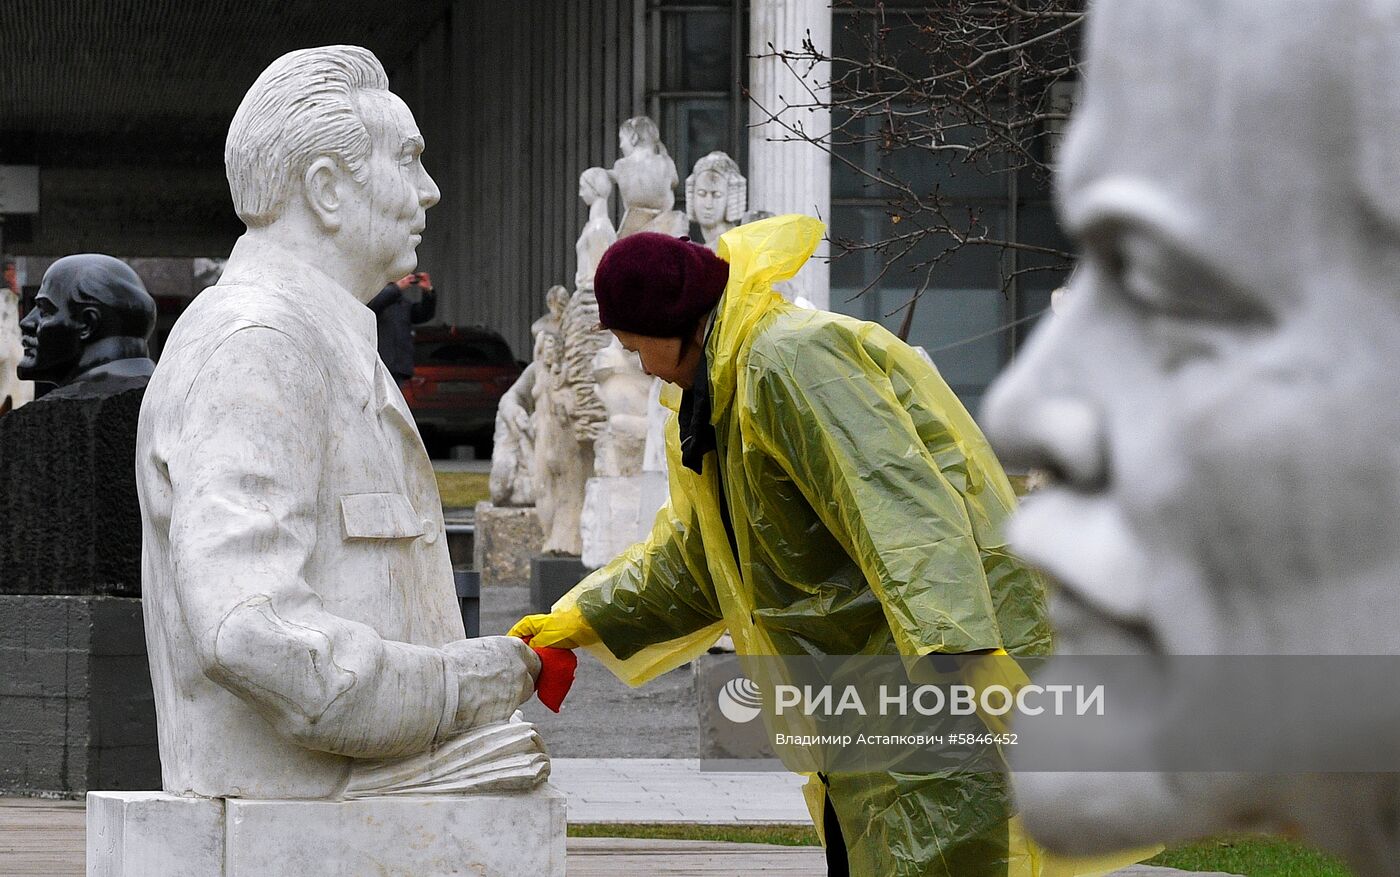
point(379, 516)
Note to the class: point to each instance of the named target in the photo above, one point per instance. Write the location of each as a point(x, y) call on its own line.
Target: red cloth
point(656, 285)
point(556, 677)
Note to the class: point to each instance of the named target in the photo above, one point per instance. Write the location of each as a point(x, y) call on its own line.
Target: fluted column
point(790, 177)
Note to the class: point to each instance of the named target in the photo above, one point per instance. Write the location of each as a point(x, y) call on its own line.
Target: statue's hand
point(496, 674)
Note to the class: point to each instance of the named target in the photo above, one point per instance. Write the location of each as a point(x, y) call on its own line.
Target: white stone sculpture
point(304, 635)
point(513, 443)
point(595, 188)
point(646, 179)
point(555, 300)
point(562, 464)
point(13, 391)
point(624, 389)
point(716, 196)
point(1215, 398)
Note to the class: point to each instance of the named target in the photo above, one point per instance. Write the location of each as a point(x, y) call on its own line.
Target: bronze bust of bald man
point(88, 330)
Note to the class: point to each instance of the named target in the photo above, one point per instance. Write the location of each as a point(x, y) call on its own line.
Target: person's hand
point(425, 280)
point(565, 629)
point(406, 281)
point(495, 675)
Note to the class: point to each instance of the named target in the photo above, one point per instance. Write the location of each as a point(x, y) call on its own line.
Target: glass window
point(697, 55)
point(693, 127)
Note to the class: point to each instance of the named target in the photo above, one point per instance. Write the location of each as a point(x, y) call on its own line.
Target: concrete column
point(788, 177)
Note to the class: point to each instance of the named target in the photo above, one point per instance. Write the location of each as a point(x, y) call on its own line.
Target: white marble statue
point(624, 388)
point(513, 442)
point(646, 179)
point(305, 639)
point(13, 391)
point(1214, 398)
point(595, 187)
point(562, 465)
point(716, 196)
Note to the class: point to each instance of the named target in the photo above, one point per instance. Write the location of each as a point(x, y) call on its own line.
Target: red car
point(459, 375)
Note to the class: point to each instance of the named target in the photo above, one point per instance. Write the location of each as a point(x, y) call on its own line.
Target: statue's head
point(639, 132)
point(319, 140)
point(716, 191)
point(1215, 401)
point(83, 300)
point(594, 185)
point(556, 299)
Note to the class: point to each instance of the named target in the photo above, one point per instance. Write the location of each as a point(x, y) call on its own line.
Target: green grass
point(1250, 856)
point(778, 835)
point(1253, 857)
point(463, 489)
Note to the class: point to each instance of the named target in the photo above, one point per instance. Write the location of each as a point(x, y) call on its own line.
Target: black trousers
point(837, 865)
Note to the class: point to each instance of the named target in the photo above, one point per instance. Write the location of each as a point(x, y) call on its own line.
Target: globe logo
point(740, 700)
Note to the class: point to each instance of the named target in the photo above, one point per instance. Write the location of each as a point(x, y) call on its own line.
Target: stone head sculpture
point(716, 195)
point(1214, 400)
point(640, 132)
point(324, 157)
point(594, 186)
point(91, 320)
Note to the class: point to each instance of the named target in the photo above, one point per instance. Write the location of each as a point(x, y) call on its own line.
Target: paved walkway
point(46, 839)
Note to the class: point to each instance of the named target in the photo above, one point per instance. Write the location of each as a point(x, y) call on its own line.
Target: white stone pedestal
point(617, 513)
point(153, 834)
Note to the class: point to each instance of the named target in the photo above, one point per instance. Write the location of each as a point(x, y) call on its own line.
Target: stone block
point(75, 695)
point(70, 523)
point(617, 513)
point(552, 577)
point(504, 542)
point(153, 834)
point(721, 737)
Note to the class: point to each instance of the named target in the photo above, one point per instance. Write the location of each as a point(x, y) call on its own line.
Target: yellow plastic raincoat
point(866, 512)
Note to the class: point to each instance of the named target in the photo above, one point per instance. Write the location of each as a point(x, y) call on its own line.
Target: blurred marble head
point(716, 192)
point(1214, 400)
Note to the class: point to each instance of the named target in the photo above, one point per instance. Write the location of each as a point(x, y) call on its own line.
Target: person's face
point(1215, 401)
point(666, 358)
point(52, 335)
point(386, 220)
point(711, 195)
point(11, 279)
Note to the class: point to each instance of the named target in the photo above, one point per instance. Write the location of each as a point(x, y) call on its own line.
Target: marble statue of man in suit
point(299, 603)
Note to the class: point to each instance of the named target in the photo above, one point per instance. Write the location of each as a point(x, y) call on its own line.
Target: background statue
point(1214, 403)
point(305, 637)
point(646, 179)
point(13, 391)
point(562, 466)
point(716, 196)
point(87, 331)
point(513, 444)
point(624, 388)
point(595, 187)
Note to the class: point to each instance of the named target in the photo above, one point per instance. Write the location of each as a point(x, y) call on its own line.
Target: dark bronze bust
point(87, 331)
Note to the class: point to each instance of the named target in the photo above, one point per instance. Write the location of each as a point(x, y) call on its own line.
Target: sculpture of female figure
point(646, 178)
point(716, 196)
point(595, 187)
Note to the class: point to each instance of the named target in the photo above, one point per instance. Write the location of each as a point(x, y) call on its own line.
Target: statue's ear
point(89, 319)
point(321, 187)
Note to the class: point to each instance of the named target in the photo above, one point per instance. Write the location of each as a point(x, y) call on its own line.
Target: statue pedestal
point(154, 834)
point(505, 540)
point(551, 577)
point(618, 513)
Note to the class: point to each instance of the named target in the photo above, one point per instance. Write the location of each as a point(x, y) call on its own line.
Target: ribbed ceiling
point(116, 66)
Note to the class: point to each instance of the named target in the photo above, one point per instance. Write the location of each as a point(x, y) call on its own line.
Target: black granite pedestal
point(553, 576)
point(76, 708)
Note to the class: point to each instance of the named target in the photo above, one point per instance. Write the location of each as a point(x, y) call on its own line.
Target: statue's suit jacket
point(295, 571)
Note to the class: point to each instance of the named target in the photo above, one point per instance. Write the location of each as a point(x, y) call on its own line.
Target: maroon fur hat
point(656, 285)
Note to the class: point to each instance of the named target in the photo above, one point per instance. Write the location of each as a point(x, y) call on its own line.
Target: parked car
point(459, 375)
